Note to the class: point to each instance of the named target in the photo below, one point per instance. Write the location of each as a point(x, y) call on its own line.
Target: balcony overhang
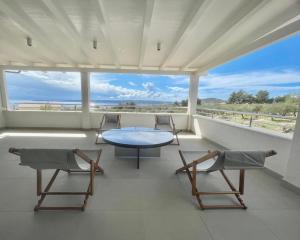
point(151, 36)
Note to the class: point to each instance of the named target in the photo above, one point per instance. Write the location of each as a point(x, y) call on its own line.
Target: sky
point(275, 68)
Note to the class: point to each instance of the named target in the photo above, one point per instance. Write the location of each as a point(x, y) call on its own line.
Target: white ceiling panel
point(194, 35)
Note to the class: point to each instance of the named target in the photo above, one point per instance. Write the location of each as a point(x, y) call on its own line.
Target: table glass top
point(137, 137)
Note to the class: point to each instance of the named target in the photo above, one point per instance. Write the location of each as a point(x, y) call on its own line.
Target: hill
point(212, 100)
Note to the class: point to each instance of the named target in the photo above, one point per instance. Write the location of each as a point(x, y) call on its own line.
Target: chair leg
point(97, 138)
point(191, 181)
point(197, 194)
point(177, 139)
point(241, 186)
point(46, 192)
point(233, 191)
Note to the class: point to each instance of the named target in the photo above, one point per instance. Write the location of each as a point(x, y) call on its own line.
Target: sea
point(93, 102)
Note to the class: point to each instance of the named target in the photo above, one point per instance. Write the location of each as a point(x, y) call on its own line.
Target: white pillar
point(3, 97)
point(4, 101)
point(292, 174)
point(85, 99)
point(192, 99)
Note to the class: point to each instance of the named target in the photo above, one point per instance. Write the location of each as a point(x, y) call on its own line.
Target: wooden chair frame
point(192, 175)
point(174, 131)
point(100, 130)
point(94, 167)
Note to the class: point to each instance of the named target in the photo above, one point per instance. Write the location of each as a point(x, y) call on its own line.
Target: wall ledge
point(250, 129)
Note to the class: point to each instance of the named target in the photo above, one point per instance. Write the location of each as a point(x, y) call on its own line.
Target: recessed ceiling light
point(158, 47)
point(95, 44)
point(29, 41)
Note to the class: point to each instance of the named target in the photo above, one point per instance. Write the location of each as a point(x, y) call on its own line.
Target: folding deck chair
point(219, 161)
point(59, 159)
point(109, 121)
point(166, 123)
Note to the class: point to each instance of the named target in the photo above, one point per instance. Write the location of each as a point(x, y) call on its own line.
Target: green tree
point(240, 97)
point(262, 96)
point(184, 103)
point(280, 99)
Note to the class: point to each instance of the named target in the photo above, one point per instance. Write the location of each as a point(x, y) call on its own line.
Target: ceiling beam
point(197, 9)
point(242, 14)
point(23, 51)
point(65, 24)
point(146, 26)
point(27, 24)
point(106, 29)
point(252, 39)
point(277, 35)
point(101, 68)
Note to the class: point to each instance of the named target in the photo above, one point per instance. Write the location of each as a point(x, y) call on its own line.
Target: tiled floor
point(150, 203)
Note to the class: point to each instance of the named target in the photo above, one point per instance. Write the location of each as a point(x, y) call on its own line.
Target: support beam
point(85, 99)
point(242, 14)
point(106, 29)
point(192, 98)
point(3, 98)
point(3, 91)
point(63, 21)
point(257, 42)
point(27, 24)
point(23, 52)
point(198, 7)
point(146, 26)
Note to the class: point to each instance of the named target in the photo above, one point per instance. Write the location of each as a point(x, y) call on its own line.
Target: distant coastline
point(94, 102)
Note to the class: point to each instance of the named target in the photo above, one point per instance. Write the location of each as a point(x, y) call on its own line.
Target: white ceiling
point(195, 35)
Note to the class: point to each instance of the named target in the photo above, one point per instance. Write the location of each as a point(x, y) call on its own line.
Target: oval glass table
point(138, 138)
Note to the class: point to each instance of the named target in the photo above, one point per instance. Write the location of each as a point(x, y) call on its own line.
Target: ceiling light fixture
point(29, 41)
point(158, 47)
point(95, 44)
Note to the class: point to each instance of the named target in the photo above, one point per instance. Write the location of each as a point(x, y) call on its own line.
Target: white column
point(3, 97)
point(192, 99)
point(292, 174)
point(85, 99)
point(4, 100)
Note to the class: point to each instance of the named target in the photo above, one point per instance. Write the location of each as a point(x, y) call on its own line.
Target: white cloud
point(220, 85)
point(132, 84)
point(179, 89)
point(149, 86)
point(65, 80)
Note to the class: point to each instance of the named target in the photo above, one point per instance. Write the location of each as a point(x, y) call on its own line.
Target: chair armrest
point(204, 158)
point(102, 120)
point(271, 153)
point(14, 151)
point(84, 157)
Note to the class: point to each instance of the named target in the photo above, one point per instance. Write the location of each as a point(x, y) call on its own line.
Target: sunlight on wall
point(197, 129)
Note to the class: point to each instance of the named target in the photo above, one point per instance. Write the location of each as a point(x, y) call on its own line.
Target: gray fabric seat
point(210, 161)
point(164, 127)
point(109, 121)
point(68, 160)
point(228, 160)
point(48, 159)
point(166, 123)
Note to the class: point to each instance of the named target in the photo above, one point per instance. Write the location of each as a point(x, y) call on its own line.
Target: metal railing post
point(250, 123)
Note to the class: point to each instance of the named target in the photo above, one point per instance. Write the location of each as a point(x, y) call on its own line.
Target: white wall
point(2, 120)
point(234, 136)
point(74, 119)
point(292, 174)
point(38, 119)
